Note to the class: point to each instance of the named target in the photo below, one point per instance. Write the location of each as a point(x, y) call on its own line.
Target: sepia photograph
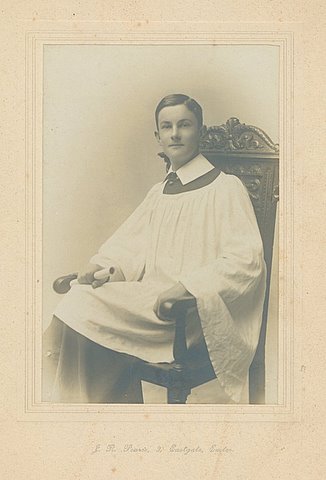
point(160, 189)
point(162, 201)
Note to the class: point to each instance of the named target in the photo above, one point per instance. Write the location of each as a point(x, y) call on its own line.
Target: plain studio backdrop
point(100, 153)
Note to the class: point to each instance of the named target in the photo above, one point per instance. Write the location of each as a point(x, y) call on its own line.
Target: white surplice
point(207, 239)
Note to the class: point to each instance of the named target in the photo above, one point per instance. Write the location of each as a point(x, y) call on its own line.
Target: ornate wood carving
point(234, 136)
point(258, 179)
point(253, 187)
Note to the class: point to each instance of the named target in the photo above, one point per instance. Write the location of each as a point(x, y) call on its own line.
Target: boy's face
point(178, 134)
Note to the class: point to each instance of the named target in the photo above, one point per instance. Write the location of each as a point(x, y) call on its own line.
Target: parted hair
point(180, 99)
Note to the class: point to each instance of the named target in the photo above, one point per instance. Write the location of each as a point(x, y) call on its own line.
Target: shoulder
point(153, 192)
point(231, 188)
point(155, 189)
point(231, 182)
point(231, 179)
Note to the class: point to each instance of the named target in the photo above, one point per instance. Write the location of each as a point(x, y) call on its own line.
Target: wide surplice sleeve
point(127, 247)
point(230, 288)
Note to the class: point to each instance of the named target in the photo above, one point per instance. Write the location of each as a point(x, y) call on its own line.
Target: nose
point(175, 133)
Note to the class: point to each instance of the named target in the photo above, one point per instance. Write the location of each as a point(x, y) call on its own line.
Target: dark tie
point(171, 178)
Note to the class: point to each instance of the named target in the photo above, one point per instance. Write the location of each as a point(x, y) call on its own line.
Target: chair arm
point(62, 284)
point(177, 311)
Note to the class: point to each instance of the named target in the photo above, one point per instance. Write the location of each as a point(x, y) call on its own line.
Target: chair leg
point(178, 395)
point(178, 389)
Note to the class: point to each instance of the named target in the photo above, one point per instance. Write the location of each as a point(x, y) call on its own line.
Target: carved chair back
point(246, 151)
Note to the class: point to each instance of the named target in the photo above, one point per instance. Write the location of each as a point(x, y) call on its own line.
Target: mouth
point(176, 145)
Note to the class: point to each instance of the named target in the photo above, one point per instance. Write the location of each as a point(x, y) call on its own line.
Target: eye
point(165, 125)
point(186, 124)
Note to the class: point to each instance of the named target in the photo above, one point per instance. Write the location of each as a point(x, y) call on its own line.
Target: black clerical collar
point(193, 169)
point(173, 184)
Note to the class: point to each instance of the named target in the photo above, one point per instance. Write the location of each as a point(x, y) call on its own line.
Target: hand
point(86, 275)
point(173, 294)
point(96, 276)
point(109, 274)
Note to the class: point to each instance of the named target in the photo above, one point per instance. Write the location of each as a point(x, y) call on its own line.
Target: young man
point(196, 234)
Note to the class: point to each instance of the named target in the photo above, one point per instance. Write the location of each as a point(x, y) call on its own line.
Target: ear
point(158, 138)
point(202, 131)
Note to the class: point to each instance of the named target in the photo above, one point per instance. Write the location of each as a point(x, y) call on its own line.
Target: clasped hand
point(172, 295)
point(96, 276)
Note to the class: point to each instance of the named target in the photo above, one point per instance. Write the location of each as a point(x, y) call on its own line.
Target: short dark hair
point(180, 99)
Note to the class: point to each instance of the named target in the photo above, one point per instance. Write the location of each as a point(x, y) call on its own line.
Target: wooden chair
point(245, 151)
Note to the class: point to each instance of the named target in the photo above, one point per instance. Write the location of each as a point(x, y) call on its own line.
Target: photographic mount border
point(33, 409)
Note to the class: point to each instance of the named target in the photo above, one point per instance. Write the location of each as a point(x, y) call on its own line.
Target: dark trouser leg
point(51, 346)
point(85, 372)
